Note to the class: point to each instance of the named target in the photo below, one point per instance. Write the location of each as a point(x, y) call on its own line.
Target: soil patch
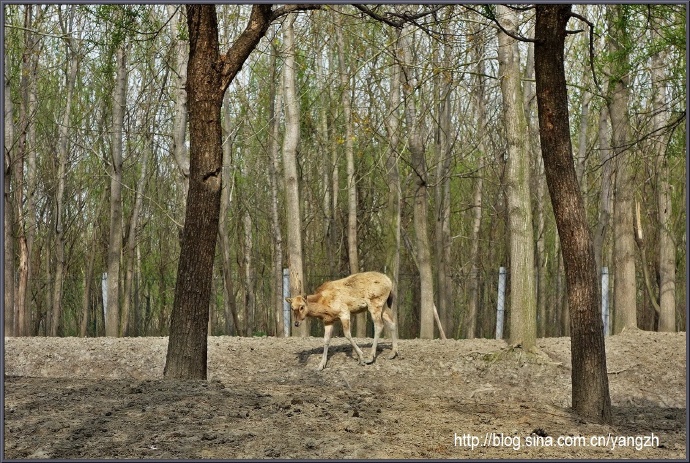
point(91, 398)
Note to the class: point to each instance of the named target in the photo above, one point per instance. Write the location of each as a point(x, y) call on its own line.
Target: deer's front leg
point(327, 332)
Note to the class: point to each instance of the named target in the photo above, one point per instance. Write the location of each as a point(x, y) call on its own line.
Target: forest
point(401, 139)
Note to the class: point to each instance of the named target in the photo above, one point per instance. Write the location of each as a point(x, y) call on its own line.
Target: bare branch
point(591, 45)
point(378, 17)
point(489, 14)
point(285, 9)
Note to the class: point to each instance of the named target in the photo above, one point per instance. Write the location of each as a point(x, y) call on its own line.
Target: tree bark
point(224, 233)
point(249, 295)
point(394, 188)
point(607, 180)
point(290, 144)
point(275, 109)
point(8, 230)
point(523, 307)
point(667, 248)
point(112, 319)
point(360, 319)
point(477, 51)
point(208, 75)
point(126, 324)
point(590, 390)
point(420, 169)
point(24, 153)
point(443, 87)
point(625, 288)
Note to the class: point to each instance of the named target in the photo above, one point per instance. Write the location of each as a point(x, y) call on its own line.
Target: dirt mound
point(105, 398)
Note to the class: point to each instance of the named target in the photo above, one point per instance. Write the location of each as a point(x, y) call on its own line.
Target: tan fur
point(336, 300)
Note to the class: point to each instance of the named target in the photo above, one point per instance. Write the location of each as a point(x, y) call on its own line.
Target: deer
point(338, 299)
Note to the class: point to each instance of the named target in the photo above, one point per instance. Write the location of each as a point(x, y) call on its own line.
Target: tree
point(625, 290)
point(353, 257)
point(420, 168)
point(112, 318)
point(667, 257)
point(208, 75)
point(63, 152)
point(273, 168)
point(523, 307)
point(8, 235)
point(292, 198)
point(590, 390)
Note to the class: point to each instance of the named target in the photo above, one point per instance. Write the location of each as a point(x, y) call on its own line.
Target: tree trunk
point(443, 87)
point(8, 231)
point(232, 313)
point(539, 185)
point(25, 148)
point(418, 164)
point(249, 296)
point(667, 248)
point(590, 390)
point(277, 285)
point(180, 122)
point(523, 308)
point(125, 322)
point(112, 319)
point(360, 320)
point(290, 143)
point(476, 50)
point(625, 288)
point(208, 76)
point(607, 175)
point(88, 281)
point(394, 189)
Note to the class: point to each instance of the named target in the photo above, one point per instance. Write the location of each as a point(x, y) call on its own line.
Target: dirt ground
point(74, 398)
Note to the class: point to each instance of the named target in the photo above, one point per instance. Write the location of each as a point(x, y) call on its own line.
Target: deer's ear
point(288, 300)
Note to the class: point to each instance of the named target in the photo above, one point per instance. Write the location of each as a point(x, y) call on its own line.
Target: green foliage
point(148, 37)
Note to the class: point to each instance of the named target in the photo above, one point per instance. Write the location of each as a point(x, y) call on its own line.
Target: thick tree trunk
point(523, 308)
point(112, 319)
point(625, 288)
point(290, 143)
point(208, 75)
point(590, 390)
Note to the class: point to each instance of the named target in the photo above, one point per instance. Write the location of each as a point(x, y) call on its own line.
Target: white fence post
point(501, 302)
point(104, 289)
point(286, 306)
point(605, 299)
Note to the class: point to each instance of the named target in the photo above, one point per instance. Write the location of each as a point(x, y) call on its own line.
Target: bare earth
point(105, 398)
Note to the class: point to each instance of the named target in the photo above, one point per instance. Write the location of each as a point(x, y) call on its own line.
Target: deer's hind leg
point(376, 317)
point(346, 331)
point(387, 317)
